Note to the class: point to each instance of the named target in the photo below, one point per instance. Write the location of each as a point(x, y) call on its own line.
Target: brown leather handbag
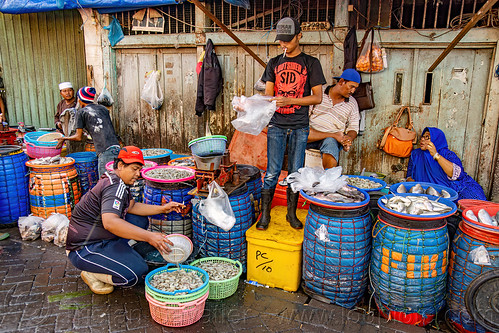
point(398, 141)
point(364, 96)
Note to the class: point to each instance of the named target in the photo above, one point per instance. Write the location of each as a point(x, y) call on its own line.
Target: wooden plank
point(31, 84)
point(7, 58)
point(45, 115)
point(191, 122)
point(131, 104)
point(172, 127)
point(118, 103)
point(148, 121)
point(50, 92)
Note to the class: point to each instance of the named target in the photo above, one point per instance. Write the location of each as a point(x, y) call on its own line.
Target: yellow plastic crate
point(274, 255)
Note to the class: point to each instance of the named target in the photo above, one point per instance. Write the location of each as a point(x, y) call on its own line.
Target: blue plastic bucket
point(335, 264)
point(14, 184)
point(86, 164)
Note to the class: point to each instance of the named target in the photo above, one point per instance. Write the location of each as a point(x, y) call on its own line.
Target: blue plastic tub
point(336, 205)
point(439, 188)
point(382, 184)
point(418, 217)
point(32, 137)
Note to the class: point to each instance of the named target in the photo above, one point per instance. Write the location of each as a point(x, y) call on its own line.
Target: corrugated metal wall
point(37, 52)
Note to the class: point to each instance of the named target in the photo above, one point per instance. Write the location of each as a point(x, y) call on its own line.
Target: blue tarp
point(35, 6)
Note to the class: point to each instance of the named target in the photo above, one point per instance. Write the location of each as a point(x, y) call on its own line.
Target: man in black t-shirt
point(96, 120)
point(296, 80)
point(105, 219)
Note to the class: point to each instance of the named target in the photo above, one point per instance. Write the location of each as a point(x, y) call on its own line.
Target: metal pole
point(229, 32)
point(481, 13)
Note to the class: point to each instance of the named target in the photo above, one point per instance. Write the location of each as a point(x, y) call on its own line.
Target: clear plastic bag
point(480, 256)
point(216, 208)
point(317, 180)
point(322, 233)
point(61, 233)
point(49, 226)
point(253, 113)
point(30, 227)
point(366, 62)
point(152, 93)
point(105, 97)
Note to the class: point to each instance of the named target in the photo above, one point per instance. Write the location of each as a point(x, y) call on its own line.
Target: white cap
point(65, 85)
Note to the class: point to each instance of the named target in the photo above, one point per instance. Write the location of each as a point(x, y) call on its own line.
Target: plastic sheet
point(317, 180)
point(50, 225)
point(253, 113)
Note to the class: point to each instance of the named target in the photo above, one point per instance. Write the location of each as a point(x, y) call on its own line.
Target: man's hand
point(160, 242)
point(61, 142)
point(281, 101)
point(347, 142)
point(172, 206)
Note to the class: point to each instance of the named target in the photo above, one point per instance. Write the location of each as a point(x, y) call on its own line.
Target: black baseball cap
point(287, 28)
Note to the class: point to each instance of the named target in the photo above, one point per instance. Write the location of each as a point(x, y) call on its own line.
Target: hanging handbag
point(364, 93)
point(398, 141)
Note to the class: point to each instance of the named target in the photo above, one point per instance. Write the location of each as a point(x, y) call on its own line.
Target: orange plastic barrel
point(53, 188)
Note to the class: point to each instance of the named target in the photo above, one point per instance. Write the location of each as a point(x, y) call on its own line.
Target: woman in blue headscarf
point(435, 163)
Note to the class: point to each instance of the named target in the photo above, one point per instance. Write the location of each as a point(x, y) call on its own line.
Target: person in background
point(435, 163)
point(95, 119)
point(3, 111)
point(68, 101)
point(104, 221)
point(295, 79)
point(334, 123)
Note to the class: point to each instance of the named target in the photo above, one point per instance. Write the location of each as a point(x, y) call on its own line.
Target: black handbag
point(364, 96)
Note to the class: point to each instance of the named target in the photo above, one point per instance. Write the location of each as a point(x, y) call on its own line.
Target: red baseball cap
point(131, 154)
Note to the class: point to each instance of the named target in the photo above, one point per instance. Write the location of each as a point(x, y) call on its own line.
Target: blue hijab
point(425, 168)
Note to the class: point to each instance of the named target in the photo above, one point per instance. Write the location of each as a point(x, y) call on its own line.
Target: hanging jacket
point(350, 49)
point(209, 81)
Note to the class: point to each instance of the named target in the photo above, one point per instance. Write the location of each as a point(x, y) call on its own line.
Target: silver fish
point(416, 205)
point(444, 194)
point(219, 270)
point(346, 194)
point(484, 217)
point(417, 189)
point(401, 189)
point(168, 173)
point(469, 214)
point(431, 191)
point(362, 183)
point(497, 216)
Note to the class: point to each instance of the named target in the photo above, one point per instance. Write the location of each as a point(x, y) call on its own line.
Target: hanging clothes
point(350, 49)
point(210, 81)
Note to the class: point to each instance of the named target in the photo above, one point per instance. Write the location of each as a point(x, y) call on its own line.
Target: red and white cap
point(131, 154)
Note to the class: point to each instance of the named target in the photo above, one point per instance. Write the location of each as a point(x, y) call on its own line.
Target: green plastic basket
point(177, 299)
point(225, 288)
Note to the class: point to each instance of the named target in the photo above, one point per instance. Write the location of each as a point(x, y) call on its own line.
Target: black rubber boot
point(267, 196)
point(292, 199)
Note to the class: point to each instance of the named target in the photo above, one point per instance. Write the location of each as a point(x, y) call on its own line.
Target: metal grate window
point(420, 14)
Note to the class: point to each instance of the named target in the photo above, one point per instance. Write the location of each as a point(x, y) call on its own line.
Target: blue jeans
point(107, 156)
point(327, 146)
point(276, 147)
point(114, 257)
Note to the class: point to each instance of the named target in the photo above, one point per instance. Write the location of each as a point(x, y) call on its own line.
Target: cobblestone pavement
point(40, 291)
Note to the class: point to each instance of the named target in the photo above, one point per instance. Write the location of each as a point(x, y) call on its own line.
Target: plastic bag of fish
point(418, 189)
point(362, 183)
point(180, 279)
point(483, 217)
point(415, 205)
point(30, 227)
point(219, 270)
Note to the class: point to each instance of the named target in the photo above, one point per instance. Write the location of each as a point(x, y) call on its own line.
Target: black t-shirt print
point(293, 77)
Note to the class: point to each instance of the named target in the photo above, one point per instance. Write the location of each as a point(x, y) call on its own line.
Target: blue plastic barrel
point(156, 193)
point(254, 185)
point(409, 266)
point(14, 184)
point(87, 167)
point(337, 250)
point(463, 270)
point(212, 241)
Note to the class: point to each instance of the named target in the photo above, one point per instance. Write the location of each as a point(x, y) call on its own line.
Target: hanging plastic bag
point(105, 97)
point(216, 208)
point(371, 57)
point(30, 227)
point(253, 113)
point(151, 93)
point(115, 32)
